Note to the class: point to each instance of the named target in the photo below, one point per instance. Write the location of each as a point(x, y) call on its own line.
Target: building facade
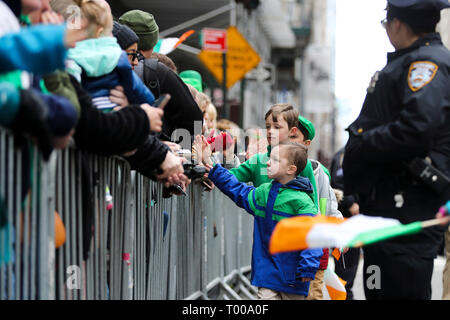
point(444, 27)
point(294, 39)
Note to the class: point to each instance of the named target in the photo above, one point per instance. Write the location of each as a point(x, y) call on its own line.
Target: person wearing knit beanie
point(128, 41)
point(61, 119)
point(145, 27)
point(124, 35)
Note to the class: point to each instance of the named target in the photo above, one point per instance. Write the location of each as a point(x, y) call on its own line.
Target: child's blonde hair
point(211, 111)
point(98, 14)
point(203, 100)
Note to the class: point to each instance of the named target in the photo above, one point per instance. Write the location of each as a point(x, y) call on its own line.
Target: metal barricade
point(137, 246)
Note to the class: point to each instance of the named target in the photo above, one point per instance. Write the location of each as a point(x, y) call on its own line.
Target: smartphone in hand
point(207, 184)
point(179, 189)
point(162, 101)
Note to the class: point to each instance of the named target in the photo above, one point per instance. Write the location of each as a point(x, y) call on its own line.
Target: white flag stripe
point(331, 279)
point(167, 45)
point(324, 235)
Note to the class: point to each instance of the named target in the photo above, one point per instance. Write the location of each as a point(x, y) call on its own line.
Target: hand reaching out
point(51, 17)
point(202, 150)
point(173, 146)
point(173, 171)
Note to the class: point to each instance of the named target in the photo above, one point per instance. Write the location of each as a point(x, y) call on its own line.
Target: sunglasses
point(384, 23)
point(134, 55)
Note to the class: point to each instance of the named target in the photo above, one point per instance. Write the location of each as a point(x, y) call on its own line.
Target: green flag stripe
point(369, 237)
point(158, 45)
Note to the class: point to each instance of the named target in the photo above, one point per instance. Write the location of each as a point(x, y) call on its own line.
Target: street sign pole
point(225, 113)
point(228, 56)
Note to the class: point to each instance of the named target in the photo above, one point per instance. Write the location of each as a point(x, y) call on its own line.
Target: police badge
point(373, 81)
point(420, 74)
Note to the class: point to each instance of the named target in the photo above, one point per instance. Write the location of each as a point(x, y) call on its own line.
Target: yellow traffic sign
point(241, 58)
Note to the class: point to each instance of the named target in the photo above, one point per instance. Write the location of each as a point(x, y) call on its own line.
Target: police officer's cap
point(421, 4)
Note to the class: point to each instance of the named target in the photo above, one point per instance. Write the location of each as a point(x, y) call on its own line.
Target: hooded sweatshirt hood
point(299, 183)
point(98, 56)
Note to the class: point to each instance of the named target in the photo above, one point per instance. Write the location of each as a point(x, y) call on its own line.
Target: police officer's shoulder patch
point(420, 74)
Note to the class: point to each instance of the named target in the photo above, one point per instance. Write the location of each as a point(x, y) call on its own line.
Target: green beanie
point(144, 25)
point(193, 78)
point(308, 126)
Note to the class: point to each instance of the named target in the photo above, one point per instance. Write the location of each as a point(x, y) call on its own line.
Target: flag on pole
point(335, 285)
point(336, 253)
point(167, 45)
point(303, 232)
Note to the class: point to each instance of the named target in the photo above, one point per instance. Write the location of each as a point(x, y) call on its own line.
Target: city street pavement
point(358, 289)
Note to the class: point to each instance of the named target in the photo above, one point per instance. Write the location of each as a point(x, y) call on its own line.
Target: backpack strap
point(146, 70)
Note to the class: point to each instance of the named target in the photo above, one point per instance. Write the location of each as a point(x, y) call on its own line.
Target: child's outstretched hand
point(201, 150)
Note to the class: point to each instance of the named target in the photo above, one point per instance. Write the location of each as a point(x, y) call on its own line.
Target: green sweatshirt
point(255, 170)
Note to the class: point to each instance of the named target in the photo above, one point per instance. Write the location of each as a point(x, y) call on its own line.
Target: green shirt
point(255, 170)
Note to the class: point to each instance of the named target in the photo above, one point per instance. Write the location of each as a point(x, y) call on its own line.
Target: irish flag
point(335, 286)
point(167, 45)
point(303, 232)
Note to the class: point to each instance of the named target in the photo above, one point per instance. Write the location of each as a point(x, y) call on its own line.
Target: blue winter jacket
point(37, 49)
point(123, 75)
point(270, 203)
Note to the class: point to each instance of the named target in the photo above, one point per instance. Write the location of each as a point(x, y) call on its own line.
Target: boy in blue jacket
point(286, 275)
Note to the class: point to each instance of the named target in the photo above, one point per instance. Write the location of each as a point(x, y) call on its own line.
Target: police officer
point(405, 116)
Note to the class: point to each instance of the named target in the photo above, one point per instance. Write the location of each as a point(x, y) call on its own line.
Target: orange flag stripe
point(183, 37)
point(336, 253)
point(290, 234)
point(336, 294)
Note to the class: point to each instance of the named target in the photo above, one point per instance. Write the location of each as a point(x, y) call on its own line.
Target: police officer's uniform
point(406, 114)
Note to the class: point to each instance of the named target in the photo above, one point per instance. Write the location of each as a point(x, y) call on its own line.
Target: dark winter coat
point(182, 111)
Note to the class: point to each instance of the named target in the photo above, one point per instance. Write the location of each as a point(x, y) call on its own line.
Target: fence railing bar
point(132, 254)
point(3, 231)
point(25, 225)
point(10, 214)
point(18, 223)
point(34, 231)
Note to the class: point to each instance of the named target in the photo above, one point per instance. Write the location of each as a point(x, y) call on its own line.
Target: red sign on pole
point(214, 40)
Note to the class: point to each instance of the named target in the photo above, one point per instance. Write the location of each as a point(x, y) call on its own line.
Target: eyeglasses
point(134, 55)
point(384, 22)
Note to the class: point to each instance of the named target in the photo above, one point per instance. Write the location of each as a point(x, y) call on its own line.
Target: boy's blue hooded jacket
point(102, 65)
point(270, 203)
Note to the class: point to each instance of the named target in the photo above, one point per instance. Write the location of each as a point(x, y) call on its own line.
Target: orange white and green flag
point(167, 45)
point(303, 232)
point(335, 286)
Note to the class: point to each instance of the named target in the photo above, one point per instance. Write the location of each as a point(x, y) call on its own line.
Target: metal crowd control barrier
point(145, 247)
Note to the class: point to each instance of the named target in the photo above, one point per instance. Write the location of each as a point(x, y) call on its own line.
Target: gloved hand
point(30, 119)
point(221, 142)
